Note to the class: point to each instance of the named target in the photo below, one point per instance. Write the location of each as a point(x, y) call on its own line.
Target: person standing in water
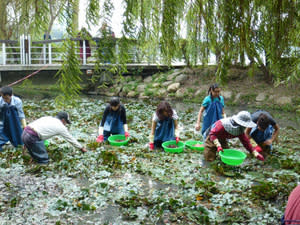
point(212, 109)
point(12, 118)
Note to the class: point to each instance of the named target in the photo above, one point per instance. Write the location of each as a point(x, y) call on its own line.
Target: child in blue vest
point(164, 125)
point(265, 131)
point(212, 109)
point(113, 121)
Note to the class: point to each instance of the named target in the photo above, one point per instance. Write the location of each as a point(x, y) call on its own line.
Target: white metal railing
point(28, 52)
point(10, 52)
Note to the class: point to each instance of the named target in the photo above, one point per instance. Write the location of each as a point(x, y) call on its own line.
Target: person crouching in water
point(113, 120)
point(265, 131)
point(228, 128)
point(36, 132)
point(164, 125)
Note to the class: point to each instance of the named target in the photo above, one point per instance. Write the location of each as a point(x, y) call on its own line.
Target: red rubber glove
point(177, 140)
point(100, 138)
point(220, 149)
point(151, 146)
point(258, 148)
point(260, 157)
point(127, 134)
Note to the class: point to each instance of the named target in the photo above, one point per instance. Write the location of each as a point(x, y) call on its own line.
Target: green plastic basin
point(232, 157)
point(118, 140)
point(178, 149)
point(46, 143)
point(191, 145)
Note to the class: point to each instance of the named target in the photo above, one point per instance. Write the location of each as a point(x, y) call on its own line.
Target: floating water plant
point(130, 184)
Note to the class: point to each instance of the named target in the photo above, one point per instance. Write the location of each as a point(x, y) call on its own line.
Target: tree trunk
point(3, 19)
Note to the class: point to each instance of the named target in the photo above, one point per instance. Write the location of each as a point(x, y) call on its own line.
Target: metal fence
point(28, 52)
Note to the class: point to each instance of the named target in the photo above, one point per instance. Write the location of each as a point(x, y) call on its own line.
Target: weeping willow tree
point(265, 33)
point(234, 30)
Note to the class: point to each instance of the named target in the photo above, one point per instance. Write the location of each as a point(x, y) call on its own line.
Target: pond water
point(132, 185)
point(283, 118)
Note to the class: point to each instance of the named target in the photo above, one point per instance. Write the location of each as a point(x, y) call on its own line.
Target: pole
point(3, 54)
point(44, 54)
point(22, 49)
point(50, 53)
point(29, 49)
point(84, 53)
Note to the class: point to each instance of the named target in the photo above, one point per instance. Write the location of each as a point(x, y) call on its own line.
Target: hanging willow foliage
point(69, 74)
point(263, 34)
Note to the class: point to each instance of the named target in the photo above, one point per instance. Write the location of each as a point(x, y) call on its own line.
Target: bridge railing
point(10, 52)
point(27, 52)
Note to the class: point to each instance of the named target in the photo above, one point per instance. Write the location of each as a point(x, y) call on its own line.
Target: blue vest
point(213, 113)
point(12, 129)
point(113, 123)
point(164, 130)
point(260, 136)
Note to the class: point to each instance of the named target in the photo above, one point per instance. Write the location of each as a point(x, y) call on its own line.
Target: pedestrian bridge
point(28, 55)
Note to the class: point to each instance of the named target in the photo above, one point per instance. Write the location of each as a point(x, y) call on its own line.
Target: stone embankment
point(192, 85)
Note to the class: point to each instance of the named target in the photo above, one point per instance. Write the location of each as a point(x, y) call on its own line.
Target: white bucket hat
point(243, 118)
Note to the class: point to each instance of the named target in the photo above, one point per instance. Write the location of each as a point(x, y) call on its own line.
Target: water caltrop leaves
point(131, 185)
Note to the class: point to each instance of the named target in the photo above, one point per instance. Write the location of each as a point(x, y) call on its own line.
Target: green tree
point(265, 32)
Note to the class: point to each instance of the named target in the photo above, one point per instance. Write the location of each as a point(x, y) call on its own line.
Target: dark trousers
point(36, 147)
point(210, 150)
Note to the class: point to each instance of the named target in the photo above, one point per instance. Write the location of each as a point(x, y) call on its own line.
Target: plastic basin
point(46, 143)
point(232, 157)
point(118, 140)
point(191, 145)
point(179, 146)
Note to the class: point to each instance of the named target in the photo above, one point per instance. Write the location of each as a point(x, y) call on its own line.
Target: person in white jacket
point(43, 128)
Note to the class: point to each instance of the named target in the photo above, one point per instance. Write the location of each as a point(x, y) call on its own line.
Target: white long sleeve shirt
point(48, 126)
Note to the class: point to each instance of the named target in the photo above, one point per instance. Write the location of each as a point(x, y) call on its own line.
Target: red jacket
point(219, 132)
point(292, 211)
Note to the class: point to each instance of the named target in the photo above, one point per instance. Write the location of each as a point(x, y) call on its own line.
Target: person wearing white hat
point(228, 128)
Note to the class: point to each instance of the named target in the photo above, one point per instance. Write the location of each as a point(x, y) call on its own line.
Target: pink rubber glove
point(220, 149)
point(151, 146)
point(127, 134)
point(177, 140)
point(258, 148)
point(100, 138)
